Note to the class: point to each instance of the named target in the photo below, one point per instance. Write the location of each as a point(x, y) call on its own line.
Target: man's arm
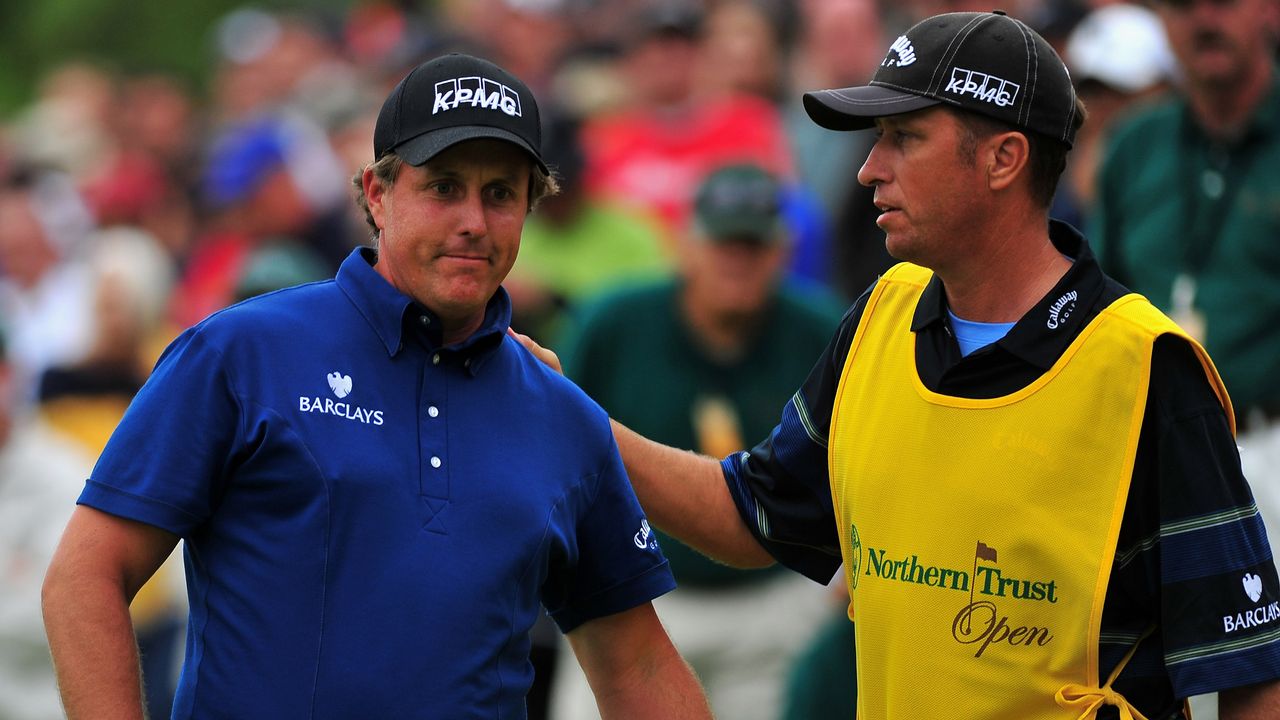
point(634, 671)
point(1251, 702)
point(98, 567)
point(685, 494)
point(682, 492)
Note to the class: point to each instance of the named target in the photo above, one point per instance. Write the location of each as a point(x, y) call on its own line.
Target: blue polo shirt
point(371, 520)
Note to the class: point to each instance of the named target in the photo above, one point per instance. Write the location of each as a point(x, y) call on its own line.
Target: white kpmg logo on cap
point(906, 54)
point(984, 87)
point(476, 92)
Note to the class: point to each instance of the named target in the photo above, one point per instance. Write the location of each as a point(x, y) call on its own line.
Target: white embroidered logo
point(644, 538)
point(1257, 617)
point(340, 384)
point(1062, 309)
point(984, 87)
point(476, 92)
point(1252, 586)
point(902, 48)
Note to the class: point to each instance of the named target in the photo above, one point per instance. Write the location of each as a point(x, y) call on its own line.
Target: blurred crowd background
point(137, 198)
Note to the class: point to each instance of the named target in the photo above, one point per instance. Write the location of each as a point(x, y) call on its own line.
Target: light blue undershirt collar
point(973, 335)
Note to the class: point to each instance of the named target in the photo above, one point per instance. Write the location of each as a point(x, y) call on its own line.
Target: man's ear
point(1007, 155)
point(375, 192)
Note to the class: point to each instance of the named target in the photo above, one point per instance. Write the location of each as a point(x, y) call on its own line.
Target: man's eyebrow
point(511, 175)
point(439, 171)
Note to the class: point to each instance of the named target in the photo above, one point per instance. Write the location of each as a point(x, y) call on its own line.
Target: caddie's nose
point(874, 171)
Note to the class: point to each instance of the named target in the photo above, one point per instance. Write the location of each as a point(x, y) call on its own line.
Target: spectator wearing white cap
point(1118, 56)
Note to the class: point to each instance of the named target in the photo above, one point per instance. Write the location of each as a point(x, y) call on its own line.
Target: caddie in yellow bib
point(978, 534)
point(1029, 474)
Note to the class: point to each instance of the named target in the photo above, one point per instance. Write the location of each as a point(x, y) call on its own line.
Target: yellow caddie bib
point(978, 535)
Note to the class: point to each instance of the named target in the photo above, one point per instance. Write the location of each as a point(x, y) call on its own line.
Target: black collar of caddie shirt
point(1041, 336)
point(397, 318)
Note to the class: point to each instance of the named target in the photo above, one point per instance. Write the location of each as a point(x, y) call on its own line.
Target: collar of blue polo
point(396, 318)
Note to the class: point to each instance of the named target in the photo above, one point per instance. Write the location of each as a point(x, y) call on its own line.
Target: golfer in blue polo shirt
point(376, 486)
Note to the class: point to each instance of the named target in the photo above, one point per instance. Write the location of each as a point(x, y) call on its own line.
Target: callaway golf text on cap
point(987, 63)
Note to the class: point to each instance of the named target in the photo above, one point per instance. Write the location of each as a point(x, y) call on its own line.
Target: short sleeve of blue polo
point(165, 460)
point(372, 522)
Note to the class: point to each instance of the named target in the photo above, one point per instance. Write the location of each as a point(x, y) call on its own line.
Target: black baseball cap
point(455, 98)
point(670, 19)
point(987, 63)
point(739, 201)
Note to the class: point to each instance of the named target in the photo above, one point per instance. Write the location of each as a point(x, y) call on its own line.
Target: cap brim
point(856, 108)
point(420, 149)
point(765, 232)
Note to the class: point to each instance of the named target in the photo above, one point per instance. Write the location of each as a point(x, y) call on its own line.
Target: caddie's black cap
point(987, 63)
point(455, 98)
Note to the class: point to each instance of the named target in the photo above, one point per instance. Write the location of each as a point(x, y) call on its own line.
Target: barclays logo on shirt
point(1257, 616)
point(342, 386)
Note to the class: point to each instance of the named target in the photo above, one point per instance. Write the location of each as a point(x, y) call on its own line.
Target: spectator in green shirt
point(705, 360)
point(1188, 211)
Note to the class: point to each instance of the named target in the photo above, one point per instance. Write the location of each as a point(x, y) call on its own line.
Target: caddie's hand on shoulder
point(546, 355)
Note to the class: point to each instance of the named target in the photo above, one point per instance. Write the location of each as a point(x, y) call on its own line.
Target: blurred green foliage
point(129, 36)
